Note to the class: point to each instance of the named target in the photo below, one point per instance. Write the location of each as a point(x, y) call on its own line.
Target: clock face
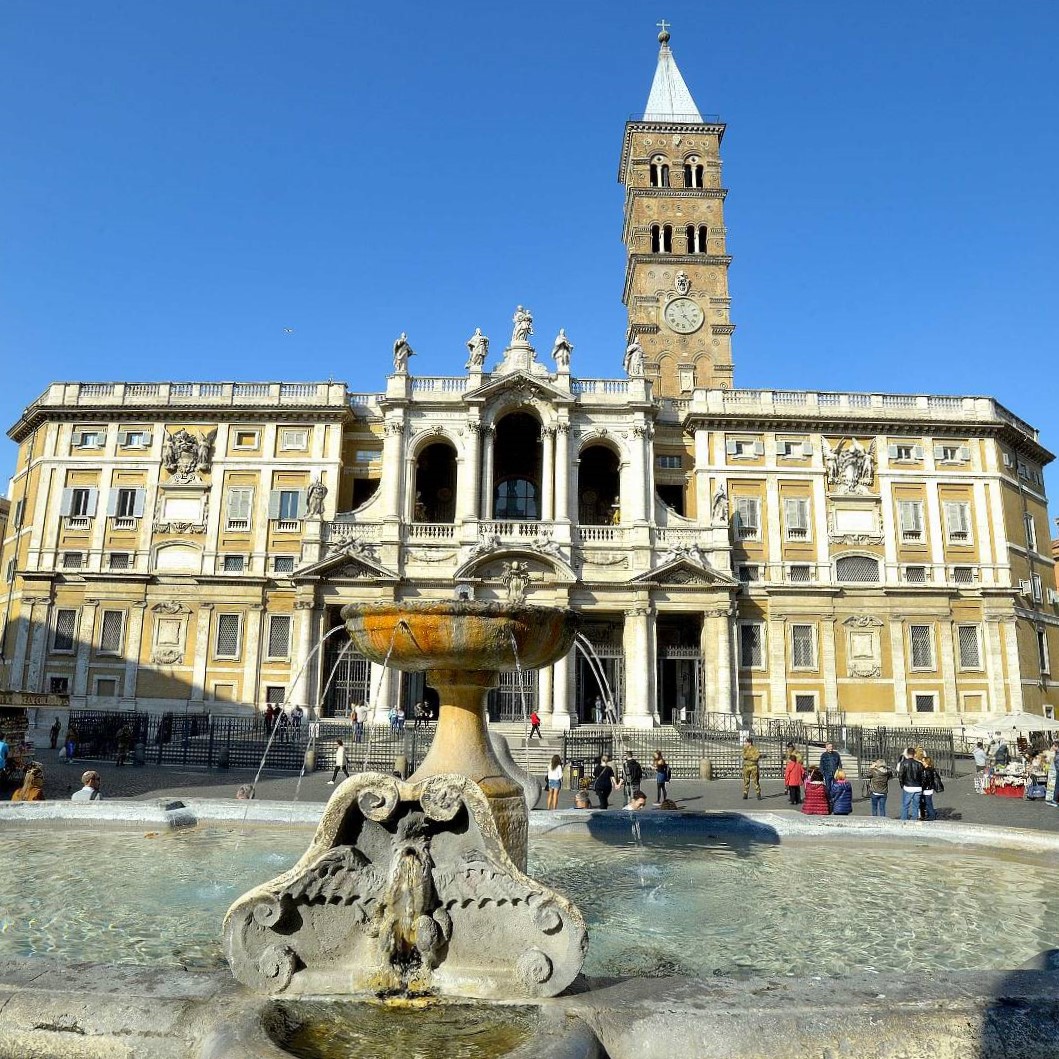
point(683, 315)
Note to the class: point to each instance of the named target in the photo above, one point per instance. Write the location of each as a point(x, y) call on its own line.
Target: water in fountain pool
point(697, 907)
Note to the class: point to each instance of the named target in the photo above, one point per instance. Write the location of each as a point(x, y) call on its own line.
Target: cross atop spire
point(670, 99)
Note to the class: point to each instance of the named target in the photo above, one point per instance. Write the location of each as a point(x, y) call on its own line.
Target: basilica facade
point(189, 546)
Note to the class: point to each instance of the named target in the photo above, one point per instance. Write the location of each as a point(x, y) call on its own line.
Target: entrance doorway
point(605, 638)
point(351, 684)
point(681, 669)
point(505, 703)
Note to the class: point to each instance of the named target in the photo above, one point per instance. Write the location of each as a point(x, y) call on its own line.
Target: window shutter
point(911, 516)
point(781, 448)
point(138, 503)
point(75, 439)
point(965, 453)
point(1006, 458)
point(112, 502)
point(67, 502)
point(917, 452)
point(148, 437)
point(891, 451)
point(123, 437)
point(797, 514)
point(93, 498)
point(273, 504)
point(759, 448)
point(239, 501)
point(730, 447)
point(939, 452)
point(807, 448)
point(302, 502)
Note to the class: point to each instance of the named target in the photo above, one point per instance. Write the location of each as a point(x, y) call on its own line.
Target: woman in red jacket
point(793, 778)
point(816, 794)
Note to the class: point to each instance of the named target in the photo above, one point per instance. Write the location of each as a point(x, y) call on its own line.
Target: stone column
point(133, 648)
point(382, 692)
point(548, 474)
point(252, 655)
point(717, 634)
point(635, 478)
point(38, 644)
point(303, 644)
point(486, 510)
point(467, 477)
point(544, 695)
point(562, 678)
point(639, 649)
point(392, 466)
point(202, 653)
point(562, 471)
point(85, 631)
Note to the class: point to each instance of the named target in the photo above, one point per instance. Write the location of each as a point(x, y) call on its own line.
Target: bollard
point(705, 769)
point(139, 755)
point(310, 759)
point(400, 764)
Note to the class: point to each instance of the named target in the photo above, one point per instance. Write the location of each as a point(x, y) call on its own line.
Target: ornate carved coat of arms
point(184, 454)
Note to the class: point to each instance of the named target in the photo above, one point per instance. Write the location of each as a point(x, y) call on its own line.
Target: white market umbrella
point(1008, 723)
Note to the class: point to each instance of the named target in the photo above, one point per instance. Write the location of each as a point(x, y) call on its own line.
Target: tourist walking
point(400, 720)
point(54, 731)
point(841, 794)
point(604, 781)
point(124, 739)
point(296, 721)
point(830, 763)
point(878, 784)
point(89, 791)
point(981, 766)
point(931, 785)
point(751, 768)
point(535, 727)
point(816, 803)
point(910, 776)
point(360, 715)
point(631, 772)
point(32, 789)
point(793, 778)
point(70, 746)
point(391, 716)
point(340, 762)
point(270, 718)
point(663, 774)
point(555, 781)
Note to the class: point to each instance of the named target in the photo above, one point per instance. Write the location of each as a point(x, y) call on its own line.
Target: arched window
point(861, 568)
point(598, 485)
point(516, 498)
point(697, 238)
point(693, 173)
point(656, 238)
point(659, 172)
point(667, 239)
point(435, 484)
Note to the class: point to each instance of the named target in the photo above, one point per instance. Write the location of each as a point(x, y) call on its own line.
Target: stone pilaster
point(950, 703)
point(200, 660)
point(133, 646)
point(85, 632)
point(897, 662)
point(562, 471)
point(544, 695)
point(1009, 633)
point(298, 693)
point(828, 663)
point(467, 479)
point(38, 642)
point(562, 679)
point(252, 655)
point(548, 474)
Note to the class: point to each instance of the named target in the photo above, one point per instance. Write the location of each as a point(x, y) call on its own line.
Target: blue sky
point(183, 182)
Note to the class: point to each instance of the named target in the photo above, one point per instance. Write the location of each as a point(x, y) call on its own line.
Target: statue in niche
point(401, 352)
point(523, 321)
point(314, 499)
point(516, 579)
point(478, 345)
point(561, 350)
point(720, 503)
point(634, 357)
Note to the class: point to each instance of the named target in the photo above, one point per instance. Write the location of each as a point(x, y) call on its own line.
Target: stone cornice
point(715, 128)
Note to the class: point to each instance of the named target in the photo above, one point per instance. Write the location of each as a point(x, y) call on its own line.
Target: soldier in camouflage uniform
point(751, 768)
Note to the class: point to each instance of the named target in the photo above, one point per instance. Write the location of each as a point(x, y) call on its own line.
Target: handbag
point(939, 787)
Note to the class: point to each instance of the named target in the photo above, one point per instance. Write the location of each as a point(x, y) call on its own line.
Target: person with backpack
point(878, 784)
point(604, 781)
point(631, 773)
point(931, 785)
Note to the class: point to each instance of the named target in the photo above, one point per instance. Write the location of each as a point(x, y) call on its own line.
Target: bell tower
point(676, 271)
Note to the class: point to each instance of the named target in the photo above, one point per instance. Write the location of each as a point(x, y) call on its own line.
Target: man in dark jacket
point(910, 776)
point(631, 773)
point(830, 763)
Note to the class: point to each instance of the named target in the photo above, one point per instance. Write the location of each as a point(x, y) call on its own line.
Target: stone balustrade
point(190, 394)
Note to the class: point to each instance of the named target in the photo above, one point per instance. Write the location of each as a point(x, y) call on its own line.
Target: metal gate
point(679, 684)
point(506, 701)
point(352, 679)
point(612, 659)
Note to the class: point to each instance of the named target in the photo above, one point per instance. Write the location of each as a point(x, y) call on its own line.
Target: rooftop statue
point(634, 355)
point(478, 344)
point(401, 352)
point(523, 321)
point(561, 350)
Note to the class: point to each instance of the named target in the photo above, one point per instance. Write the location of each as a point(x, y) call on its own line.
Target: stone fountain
point(419, 886)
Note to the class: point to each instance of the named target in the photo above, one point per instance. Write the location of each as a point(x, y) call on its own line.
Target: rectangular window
point(1031, 532)
point(958, 521)
point(120, 561)
point(797, 515)
point(80, 503)
point(749, 572)
point(1042, 650)
point(20, 512)
point(245, 439)
point(670, 463)
point(279, 636)
point(9, 571)
point(804, 703)
point(65, 622)
point(134, 439)
point(901, 452)
point(368, 455)
point(233, 564)
point(910, 516)
point(110, 632)
point(802, 647)
point(922, 637)
point(963, 575)
point(294, 439)
point(748, 518)
point(73, 560)
point(283, 564)
point(58, 685)
point(240, 504)
point(924, 703)
point(794, 448)
point(275, 694)
point(751, 647)
point(744, 448)
point(916, 575)
point(952, 453)
point(106, 688)
point(88, 438)
point(970, 650)
point(285, 505)
point(1038, 588)
point(125, 503)
point(800, 572)
point(229, 635)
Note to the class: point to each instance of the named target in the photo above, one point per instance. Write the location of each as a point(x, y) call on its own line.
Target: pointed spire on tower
point(670, 99)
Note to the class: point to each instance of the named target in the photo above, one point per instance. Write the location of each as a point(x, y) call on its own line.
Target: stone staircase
point(537, 757)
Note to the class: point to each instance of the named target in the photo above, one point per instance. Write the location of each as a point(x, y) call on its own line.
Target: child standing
point(793, 778)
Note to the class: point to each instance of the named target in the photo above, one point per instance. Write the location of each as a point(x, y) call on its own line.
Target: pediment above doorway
point(685, 569)
point(351, 560)
point(519, 387)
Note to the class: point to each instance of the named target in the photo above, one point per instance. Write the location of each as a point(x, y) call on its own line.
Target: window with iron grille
point(797, 513)
point(65, 622)
point(910, 516)
point(857, 568)
point(110, 632)
point(925, 703)
point(748, 517)
point(229, 627)
point(120, 560)
point(916, 575)
point(805, 704)
point(963, 575)
point(922, 638)
point(800, 572)
point(802, 647)
point(751, 652)
point(279, 636)
point(233, 564)
point(958, 521)
point(970, 651)
point(749, 572)
point(274, 694)
point(283, 564)
point(73, 560)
